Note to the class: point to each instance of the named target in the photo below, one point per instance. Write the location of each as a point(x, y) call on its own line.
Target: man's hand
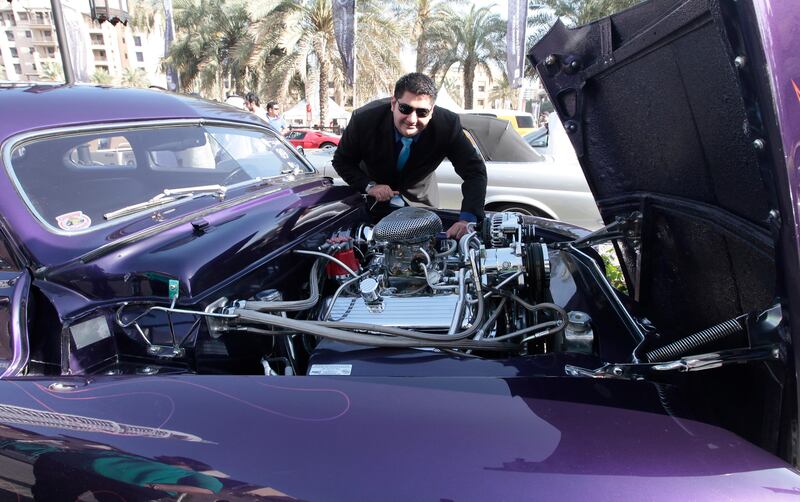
point(458, 230)
point(382, 193)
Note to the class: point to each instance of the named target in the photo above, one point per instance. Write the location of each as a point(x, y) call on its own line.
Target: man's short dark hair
point(271, 105)
point(415, 83)
point(251, 97)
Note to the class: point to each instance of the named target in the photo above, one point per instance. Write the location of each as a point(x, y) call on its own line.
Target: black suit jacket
point(367, 153)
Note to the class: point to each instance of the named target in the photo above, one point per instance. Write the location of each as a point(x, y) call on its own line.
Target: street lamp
point(113, 11)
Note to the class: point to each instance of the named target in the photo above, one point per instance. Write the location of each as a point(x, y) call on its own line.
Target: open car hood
point(669, 110)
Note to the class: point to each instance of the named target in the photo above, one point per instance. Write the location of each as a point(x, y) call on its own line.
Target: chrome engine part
point(408, 225)
point(410, 283)
point(433, 312)
point(407, 234)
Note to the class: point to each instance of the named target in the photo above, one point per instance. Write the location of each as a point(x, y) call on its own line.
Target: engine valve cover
point(419, 312)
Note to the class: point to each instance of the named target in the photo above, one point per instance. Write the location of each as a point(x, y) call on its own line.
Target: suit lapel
point(385, 141)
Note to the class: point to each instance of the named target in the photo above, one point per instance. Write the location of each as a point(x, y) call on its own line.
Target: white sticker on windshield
point(75, 220)
point(331, 369)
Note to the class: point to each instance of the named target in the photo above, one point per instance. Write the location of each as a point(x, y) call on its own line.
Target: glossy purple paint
point(779, 29)
point(238, 240)
point(47, 107)
point(457, 438)
point(315, 438)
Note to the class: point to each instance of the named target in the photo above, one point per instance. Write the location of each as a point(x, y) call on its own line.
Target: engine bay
point(398, 298)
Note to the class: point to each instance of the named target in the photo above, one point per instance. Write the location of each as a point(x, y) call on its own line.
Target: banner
point(344, 27)
point(77, 35)
point(173, 82)
point(515, 41)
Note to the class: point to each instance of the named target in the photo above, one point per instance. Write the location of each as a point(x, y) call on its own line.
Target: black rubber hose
point(686, 345)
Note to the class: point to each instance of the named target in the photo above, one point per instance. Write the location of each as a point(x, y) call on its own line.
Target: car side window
point(524, 121)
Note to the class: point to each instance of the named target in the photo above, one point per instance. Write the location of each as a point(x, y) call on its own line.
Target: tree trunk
point(423, 15)
point(469, 80)
point(220, 83)
point(312, 80)
point(324, 71)
point(422, 55)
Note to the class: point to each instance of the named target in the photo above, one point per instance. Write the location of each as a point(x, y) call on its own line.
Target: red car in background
point(308, 138)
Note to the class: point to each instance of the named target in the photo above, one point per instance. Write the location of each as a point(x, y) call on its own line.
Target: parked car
point(219, 322)
point(538, 139)
point(522, 122)
point(550, 184)
point(306, 139)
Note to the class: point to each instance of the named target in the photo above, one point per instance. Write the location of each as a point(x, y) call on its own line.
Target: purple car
point(189, 311)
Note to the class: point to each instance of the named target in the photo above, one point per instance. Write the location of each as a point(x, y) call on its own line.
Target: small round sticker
point(75, 220)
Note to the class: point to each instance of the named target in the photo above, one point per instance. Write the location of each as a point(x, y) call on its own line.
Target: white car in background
point(551, 185)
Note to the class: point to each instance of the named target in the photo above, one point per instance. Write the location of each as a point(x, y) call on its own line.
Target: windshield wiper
point(166, 196)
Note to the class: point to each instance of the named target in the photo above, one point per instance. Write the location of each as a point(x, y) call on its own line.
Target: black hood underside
point(658, 104)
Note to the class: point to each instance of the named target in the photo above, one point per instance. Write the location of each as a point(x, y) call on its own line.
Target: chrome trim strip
point(19, 326)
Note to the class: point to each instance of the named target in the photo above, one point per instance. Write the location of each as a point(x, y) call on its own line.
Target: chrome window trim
point(19, 139)
point(19, 326)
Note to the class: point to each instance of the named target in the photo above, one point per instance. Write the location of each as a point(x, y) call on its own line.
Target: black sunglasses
point(408, 109)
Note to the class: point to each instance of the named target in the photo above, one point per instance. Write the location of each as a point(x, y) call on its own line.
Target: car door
point(313, 140)
point(296, 138)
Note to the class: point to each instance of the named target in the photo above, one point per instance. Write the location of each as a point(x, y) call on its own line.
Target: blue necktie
point(404, 153)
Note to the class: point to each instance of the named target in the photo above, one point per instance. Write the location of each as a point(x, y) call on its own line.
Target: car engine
point(408, 281)
point(402, 284)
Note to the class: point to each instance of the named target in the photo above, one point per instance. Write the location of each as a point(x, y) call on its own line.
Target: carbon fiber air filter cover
point(408, 224)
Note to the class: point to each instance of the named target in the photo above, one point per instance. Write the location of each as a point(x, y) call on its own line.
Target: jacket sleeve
point(347, 157)
point(468, 164)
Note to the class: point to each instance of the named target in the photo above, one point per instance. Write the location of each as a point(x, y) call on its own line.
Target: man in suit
point(393, 147)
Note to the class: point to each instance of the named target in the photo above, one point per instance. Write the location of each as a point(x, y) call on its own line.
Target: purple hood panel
point(346, 439)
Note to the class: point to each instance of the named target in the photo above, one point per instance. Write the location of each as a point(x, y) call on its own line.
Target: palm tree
point(143, 14)
point(574, 12)
point(425, 18)
point(134, 77)
point(52, 71)
point(205, 51)
point(543, 13)
point(471, 40)
point(297, 38)
point(102, 77)
point(504, 93)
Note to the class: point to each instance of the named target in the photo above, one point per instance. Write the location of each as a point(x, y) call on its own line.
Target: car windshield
point(537, 138)
point(73, 182)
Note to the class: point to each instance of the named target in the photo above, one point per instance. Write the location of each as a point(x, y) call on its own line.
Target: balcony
point(47, 41)
point(40, 23)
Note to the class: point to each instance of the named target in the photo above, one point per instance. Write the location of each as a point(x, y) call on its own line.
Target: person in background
point(252, 104)
point(393, 147)
point(274, 118)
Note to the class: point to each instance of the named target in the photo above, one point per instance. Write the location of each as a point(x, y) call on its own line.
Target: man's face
point(273, 112)
point(411, 123)
point(250, 105)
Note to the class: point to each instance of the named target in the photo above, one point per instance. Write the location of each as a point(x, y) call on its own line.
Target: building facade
point(29, 48)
